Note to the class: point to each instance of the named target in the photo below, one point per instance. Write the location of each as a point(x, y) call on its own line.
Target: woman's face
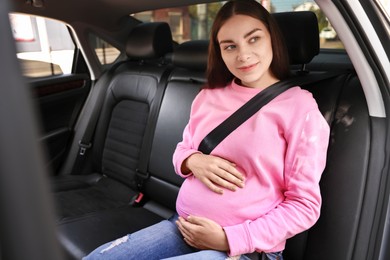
point(246, 49)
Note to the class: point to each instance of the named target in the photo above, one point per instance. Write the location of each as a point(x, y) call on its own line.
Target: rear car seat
point(80, 235)
point(336, 98)
point(122, 128)
point(190, 60)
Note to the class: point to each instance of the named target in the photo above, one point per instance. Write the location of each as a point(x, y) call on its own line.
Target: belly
point(229, 208)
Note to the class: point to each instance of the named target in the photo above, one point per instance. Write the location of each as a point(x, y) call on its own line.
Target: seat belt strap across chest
point(246, 111)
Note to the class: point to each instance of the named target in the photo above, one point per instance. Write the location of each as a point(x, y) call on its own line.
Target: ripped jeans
point(163, 241)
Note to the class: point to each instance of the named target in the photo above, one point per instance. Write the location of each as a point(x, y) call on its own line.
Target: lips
point(247, 68)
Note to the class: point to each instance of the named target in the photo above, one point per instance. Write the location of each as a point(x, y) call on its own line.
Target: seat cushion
point(104, 194)
point(79, 236)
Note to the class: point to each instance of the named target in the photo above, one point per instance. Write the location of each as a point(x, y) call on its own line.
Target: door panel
point(59, 101)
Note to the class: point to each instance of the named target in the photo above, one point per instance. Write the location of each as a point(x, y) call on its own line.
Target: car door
point(57, 76)
point(59, 100)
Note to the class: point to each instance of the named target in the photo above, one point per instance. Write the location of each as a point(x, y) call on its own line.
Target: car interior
point(96, 208)
point(113, 159)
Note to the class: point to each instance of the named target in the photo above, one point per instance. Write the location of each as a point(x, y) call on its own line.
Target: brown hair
point(217, 73)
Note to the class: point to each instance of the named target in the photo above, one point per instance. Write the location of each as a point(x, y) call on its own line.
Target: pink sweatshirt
point(281, 150)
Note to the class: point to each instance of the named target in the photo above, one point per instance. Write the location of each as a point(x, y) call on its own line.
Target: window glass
point(105, 52)
point(176, 24)
point(187, 23)
point(194, 22)
point(44, 46)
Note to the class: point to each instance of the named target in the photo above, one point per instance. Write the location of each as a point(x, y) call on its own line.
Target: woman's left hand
point(203, 233)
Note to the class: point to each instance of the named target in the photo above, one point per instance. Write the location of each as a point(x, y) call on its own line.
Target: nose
point(243, 55)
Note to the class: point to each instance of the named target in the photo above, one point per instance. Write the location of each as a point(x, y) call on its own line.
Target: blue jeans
point(161, 241)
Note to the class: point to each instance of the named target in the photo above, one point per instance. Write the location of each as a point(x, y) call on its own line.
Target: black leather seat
point(81, 234)
point(123, 124)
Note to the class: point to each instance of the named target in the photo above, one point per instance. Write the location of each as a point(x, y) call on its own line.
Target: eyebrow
point(245, 36)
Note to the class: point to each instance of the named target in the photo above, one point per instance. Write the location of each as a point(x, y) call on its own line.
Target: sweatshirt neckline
point(237, 87)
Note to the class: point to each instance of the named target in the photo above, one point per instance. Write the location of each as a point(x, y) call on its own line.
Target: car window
point(187, 22)
point(104, 51)
point(44, 46)
point(194, 22)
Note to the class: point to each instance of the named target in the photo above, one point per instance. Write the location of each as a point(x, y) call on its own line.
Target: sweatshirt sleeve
point(183, 150)
point(186, 147)
point(305, 160)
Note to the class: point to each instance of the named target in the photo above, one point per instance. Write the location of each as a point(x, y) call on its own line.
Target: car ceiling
point(101, 13)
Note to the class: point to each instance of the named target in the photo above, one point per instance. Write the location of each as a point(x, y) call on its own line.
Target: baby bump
point(229, 208)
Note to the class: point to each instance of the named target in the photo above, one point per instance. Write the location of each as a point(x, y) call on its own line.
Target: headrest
point(149, 40)
point(300, 30)
point(191, 55)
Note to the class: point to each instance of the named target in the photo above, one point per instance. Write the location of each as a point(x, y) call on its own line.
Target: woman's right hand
point(216, 173)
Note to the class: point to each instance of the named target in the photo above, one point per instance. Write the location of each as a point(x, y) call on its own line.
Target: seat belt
point(83, 141)
point(142, 170)
point(219, 133)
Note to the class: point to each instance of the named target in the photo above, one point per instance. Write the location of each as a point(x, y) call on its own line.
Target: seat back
point(341, 101)
point(189, 60)
point(342, 183)
point(126, 112)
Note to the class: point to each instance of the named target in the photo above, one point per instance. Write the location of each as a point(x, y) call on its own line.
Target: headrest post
point(303, 70)
point(303, 67)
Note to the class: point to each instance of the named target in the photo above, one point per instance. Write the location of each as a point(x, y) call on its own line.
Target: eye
point(254, 39)
point(229, 47)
